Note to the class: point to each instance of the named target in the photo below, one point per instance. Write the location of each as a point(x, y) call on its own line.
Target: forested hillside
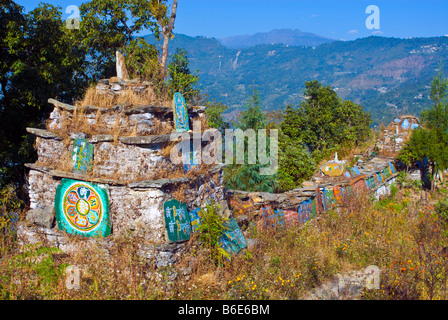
point(388, 76)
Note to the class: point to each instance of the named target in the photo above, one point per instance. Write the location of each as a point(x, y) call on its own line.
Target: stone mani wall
point(42, 189)
point(125, 165)
point(129, 161)
point(308, 202)
point(137, 209)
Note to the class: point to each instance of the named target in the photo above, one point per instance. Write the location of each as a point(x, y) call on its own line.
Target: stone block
point(43, 217)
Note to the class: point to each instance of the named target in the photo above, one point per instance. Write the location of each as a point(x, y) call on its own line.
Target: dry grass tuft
point(161, 127)
point(93, 98)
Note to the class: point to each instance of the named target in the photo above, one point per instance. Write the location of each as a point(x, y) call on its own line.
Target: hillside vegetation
point(388, 76)
point(403, 234)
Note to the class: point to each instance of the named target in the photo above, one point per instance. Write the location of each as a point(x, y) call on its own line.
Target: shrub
point(211, 229)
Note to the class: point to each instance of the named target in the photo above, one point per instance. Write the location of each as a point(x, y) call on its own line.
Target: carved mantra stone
point(177, 221)
point(180, 113)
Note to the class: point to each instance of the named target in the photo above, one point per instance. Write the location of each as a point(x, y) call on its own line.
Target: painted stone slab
point(192, 163)
point(304, 211)
point(325, 204)
point(379, 178)
point(195, 219)
point(177, 221)
point(82, 208)
point(370, 183)
point(240, 207)
point(233, 239)
point(330, 198)
point(268, 216)
point(291, 217)
point(348, 191)
point(337, 191)
point(333, 169)
point(392, 168)
point(356, 171)
point(375, 179)
point(248, 206)
point(314, 209)
point(236, 206)
point(319, 202)
point(386, 172)
point(367, 183)
point(380, 192)
point(359, 187)
point(82, 155)
point(180, 113)
point(279, 218)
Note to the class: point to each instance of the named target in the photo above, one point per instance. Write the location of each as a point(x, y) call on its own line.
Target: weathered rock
point(113, 80)
point(122, 72)
point(43, 133)
point(44, 217)
point(146, 140)
point(61, 105)
point(77, 135)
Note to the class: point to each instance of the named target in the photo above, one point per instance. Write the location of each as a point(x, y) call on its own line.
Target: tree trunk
point(167, 31)
point(164, 60)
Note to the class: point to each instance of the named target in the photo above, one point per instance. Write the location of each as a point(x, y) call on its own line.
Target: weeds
point(211, 229)
point(401, 235)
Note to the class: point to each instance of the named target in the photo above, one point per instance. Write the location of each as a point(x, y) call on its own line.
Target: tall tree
point(295, 162)
point(42, 63)
point(180, 79)
point(323, 121)
point(431, 140)
point(247, 176)
point(160, 10)
point(110, 25)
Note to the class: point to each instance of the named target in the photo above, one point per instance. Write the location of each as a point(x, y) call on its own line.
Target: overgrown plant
point(10, 205)
point(31, 271)
point(212, 227)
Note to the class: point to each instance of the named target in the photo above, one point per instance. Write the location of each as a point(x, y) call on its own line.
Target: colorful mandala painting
point(82, 208)
point(180, 113)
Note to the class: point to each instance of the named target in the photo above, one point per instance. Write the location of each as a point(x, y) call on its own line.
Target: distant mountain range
point(276, 36)
point(388, 76)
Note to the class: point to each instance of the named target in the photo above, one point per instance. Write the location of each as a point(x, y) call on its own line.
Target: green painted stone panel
point(82, 208)
point(233, 239)
point(82, 155)
point(330, 198)
point(180, 113)
point(177, 221)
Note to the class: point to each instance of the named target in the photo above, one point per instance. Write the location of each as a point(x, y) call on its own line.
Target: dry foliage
point(93, 98)
point(161, 127)
point(400, 234)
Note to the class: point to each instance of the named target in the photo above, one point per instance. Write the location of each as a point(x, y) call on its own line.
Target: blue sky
point(336, 19)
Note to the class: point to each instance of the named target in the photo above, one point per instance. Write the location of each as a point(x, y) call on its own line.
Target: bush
point(212, 227)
